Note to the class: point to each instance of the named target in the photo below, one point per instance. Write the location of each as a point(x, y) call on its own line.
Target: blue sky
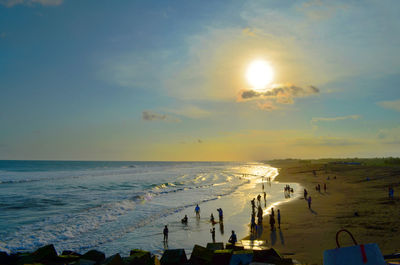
point(165, 80)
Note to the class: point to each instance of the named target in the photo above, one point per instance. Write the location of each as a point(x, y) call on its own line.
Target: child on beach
point(197, 211)
point(212, 231)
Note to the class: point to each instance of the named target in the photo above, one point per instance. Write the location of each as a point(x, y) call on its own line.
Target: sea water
point(118, 206)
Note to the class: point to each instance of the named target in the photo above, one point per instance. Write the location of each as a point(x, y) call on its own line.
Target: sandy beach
point(361, 189)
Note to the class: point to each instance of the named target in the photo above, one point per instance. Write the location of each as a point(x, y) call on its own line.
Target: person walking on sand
point(233, 238)
point(305, 194)
point(272, 221)
point(272, 211)
point(324, 187)
point(165, 232)
point(259, 199)
point(212, 231)
point(197, 211)
point(279, 219)
point(253, 223)
point(309, 202)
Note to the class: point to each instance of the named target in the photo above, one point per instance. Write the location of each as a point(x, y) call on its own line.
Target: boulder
point(113, 260)
point(46, 253)
point(267, 256)
point(94, 255)
point(85, 262)
point(173, 257)
point(201, 255)
point(222, 257)
point(215, 246)
point(24, 258)
point(4, 258)
point(64, 259)
point(139, 257)
point(70, 252)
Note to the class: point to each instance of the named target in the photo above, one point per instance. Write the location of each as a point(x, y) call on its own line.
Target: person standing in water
point(197, 211)
point(212, 231)
point(220, 214)
point(165, 232)
point(212, 220)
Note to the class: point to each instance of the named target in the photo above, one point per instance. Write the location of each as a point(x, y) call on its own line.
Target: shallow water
point(117, 206)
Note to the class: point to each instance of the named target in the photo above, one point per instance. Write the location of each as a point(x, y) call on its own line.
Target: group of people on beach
point(318, 187)
point(184, 220)
point(257, 210)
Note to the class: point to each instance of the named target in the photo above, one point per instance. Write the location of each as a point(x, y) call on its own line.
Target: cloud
point(248, 32)
point(340, 118)
point(316, 120)
point(283, 94)
point(389, 136)
point(268, 105)
point(390, 104)
point(152, 116)
point(320, 10)
point(11, 3)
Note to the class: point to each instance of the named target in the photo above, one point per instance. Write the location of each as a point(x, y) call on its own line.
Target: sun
point(259, 74)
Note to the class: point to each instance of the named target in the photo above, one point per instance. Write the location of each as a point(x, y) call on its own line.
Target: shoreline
point(356, 200)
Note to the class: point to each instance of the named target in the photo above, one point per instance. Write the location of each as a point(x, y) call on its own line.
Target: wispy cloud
point(340, 118)
point(152, 116)
point(280, 91)
point(11, 3)
point(282, 94)
point(389, 136)
point(390, 104)
point(314, 121)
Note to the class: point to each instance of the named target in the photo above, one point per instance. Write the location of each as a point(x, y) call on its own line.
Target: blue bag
point(368, 254)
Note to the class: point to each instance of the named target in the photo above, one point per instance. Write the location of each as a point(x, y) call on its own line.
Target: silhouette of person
point(165, 232)
point(212, 231)
point(279, 219)
point(233, 238)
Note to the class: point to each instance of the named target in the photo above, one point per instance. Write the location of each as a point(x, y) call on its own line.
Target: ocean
point(118, 206)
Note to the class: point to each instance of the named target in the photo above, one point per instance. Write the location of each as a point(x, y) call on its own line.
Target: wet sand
point(305, 233)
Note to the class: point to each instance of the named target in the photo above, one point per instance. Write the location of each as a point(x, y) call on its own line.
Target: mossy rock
point(215, 246)
point(85, 262)
point(113, 260)
point(173, 257)
point(94, 255)
point(46, 253)
point(201, 255)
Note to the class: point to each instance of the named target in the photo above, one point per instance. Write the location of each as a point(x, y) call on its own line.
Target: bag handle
point(348, 232)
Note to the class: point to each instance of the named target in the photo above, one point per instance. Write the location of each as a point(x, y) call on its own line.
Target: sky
point(166, 80)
